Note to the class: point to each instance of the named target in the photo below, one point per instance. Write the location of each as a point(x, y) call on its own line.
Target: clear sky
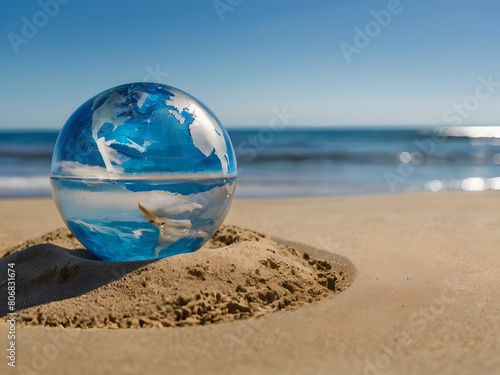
point(244, 59)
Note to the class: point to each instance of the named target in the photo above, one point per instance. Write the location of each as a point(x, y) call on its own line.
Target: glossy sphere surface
point(143, 171)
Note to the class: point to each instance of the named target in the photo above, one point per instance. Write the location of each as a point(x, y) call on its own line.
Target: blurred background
point(319, 97)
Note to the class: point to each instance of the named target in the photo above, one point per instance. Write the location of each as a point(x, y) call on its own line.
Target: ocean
point(306, 162)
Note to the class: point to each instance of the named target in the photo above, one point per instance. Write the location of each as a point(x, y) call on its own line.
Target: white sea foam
point(17, 183)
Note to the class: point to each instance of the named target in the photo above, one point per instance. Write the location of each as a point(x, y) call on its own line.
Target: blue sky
point(244, 59)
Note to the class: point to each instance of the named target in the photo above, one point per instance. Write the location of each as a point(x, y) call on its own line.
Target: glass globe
point(143, 171)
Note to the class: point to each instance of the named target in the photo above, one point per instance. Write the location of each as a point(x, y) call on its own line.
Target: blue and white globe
point(143, 171)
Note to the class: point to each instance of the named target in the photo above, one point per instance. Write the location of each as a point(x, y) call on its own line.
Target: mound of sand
point(238, 274)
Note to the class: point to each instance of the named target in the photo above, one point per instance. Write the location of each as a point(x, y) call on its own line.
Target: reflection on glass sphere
point(143, 171)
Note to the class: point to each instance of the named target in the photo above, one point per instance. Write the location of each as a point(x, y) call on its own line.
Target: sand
point(238, 274)
point(425, 298)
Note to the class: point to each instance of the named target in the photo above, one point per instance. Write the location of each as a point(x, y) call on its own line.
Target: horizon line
point(255, 127)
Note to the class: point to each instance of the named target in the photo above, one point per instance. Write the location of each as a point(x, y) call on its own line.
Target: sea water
point(133, 219)
point(305, 162)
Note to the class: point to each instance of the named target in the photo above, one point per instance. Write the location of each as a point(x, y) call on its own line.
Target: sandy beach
point(424, 297)
point(250, 187)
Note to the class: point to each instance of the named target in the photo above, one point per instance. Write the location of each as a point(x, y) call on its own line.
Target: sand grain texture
point(425, 299)
point(238, 274)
